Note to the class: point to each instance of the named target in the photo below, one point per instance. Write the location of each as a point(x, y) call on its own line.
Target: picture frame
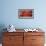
point(26, 13)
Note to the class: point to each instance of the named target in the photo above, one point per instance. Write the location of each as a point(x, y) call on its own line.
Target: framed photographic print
point(26, 13)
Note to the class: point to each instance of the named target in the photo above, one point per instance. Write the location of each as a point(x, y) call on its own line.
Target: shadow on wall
point(2, 26)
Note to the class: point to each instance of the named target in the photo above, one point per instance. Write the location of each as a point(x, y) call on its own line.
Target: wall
point(9, 13)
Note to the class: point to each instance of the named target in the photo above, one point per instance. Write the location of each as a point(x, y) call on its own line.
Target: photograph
point(25, 13)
